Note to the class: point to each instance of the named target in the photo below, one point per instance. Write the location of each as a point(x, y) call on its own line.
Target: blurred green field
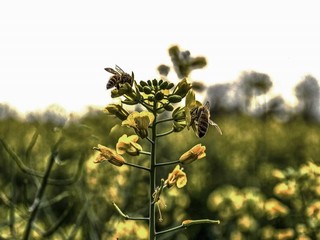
point(235, 183)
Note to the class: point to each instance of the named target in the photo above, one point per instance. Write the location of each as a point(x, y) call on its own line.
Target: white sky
point(56, 51)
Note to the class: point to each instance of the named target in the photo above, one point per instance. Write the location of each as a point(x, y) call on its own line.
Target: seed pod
point(174, 98)
point(147, 89)
point(159, 96)
point(168, 107)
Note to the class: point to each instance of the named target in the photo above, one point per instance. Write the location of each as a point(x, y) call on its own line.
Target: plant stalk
point(152, 212)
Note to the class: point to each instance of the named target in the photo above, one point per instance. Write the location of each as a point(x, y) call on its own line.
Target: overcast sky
point(56, 51)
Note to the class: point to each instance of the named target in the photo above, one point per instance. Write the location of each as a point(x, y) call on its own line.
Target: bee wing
point(215, 125)
point(119, 69)
point(111, 70)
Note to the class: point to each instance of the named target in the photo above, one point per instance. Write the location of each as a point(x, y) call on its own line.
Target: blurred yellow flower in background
point(274, 208)
point(285, 189)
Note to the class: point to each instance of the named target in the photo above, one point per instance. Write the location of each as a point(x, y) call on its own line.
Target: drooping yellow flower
point(139, 122)
point(128, 145)
point(195, 153)
point(176, 177)
point(108, 154)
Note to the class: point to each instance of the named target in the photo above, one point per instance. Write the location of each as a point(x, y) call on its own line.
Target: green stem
point(35, 206)
point(136, 166)
point(167, 163)
point(145, 153)
point(188, 223)
point(152, 213)
point(165, 133)
point(127, 216)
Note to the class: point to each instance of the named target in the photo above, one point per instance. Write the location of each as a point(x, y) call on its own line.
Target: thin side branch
point(167, 163)
point(126, 217)
point(187, 223)
point(137, 166)
point(165, 133)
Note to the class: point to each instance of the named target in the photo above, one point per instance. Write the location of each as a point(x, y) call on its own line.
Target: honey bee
point(119, 77)
point(200, 120)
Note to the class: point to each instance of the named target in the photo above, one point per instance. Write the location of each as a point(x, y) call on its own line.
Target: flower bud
point(168, 107)
point(143, 83)
point(147, 89)
point(154, 82)
point(164, 85)
point(174, 98)
point(182, 88)
point(170, 85)
point(159, 96)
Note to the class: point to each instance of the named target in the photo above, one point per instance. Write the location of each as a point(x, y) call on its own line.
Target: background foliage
point(261, 178)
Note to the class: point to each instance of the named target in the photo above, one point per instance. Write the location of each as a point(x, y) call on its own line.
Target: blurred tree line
point(261, 178)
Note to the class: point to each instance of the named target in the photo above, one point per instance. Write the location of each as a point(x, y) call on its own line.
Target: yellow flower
point(139, 122)
point(285, 189)
point(313, 210)
point(107, 154)
point(129, 145)
point(176, 177)
point(195, 153)
point(283, 234)
point(274, 208)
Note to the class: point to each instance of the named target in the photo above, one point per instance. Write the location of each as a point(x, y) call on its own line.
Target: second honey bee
point(200, 120)
point(119, 77)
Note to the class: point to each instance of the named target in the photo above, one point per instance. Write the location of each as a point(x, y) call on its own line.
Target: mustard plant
point(162, 102)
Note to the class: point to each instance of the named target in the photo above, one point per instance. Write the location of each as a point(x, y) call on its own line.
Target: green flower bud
point(174, 98)
point(159, 96)
point(147, 89)
point(179, 114)
point(155, 82)
point(149, 83)
point(143, 83)
point(164, 85)
point(160, 81)
point(170, 85)
point(168, 107)
point(179, 126)
point(151, 98)
point(140, 88)
point(182, 88)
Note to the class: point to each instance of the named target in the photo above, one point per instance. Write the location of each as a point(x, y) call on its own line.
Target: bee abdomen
point(113, 81)
point(203, 125)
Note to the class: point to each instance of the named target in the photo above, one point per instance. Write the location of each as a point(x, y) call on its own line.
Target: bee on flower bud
point(119, 77)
